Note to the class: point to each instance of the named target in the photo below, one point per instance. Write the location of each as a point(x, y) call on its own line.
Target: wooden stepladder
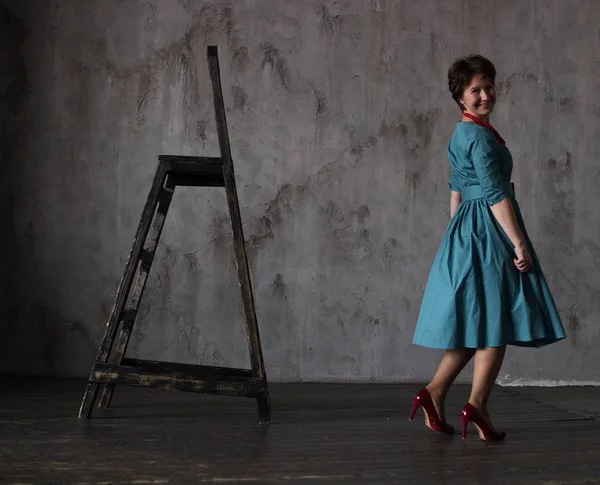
point(111, 366)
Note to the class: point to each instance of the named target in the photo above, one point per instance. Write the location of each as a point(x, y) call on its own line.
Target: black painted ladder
point(111, 366)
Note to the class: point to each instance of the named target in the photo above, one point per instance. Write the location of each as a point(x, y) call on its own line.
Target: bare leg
point(487, 364)
point(453, 361)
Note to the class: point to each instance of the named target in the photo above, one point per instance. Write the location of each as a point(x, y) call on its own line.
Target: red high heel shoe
point(423, 399)
point(470, 413)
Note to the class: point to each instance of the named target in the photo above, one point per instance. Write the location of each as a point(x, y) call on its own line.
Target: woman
point(486, 289)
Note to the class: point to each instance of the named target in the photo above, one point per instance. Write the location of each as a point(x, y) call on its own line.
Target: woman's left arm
point(455, 200)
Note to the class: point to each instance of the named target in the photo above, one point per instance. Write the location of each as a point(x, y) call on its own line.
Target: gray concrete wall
point(339, 119)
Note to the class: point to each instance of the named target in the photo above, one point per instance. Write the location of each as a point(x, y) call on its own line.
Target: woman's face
point(479, 97)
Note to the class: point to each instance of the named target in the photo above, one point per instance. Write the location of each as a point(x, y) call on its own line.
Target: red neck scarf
point(479, 121)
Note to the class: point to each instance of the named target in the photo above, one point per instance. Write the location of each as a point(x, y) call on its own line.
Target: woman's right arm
point(494, 188)
point(504, 213)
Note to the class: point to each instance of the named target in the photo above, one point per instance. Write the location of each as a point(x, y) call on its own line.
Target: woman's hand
point(523, 261)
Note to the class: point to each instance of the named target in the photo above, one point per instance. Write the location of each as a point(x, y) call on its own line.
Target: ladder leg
point(109, 389)
point(250, 320)
point(146, 258)
point(125, 285)
point(89, 397)
point(256, 358)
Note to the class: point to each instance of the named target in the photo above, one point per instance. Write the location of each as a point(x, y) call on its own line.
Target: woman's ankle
point(437, 393)
point(478, 403)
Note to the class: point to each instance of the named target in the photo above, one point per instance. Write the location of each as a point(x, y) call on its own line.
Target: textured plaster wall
point(339, 119)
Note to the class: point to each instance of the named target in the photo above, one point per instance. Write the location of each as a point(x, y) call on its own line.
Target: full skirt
point(475, 296)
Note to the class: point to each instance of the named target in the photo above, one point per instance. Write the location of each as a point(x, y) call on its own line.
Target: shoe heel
point(414, 409)
point(486, 432)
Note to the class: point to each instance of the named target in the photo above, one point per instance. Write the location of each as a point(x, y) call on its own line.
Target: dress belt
point(476, 191)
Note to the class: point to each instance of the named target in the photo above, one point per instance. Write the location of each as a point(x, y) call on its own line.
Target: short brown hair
point(461, 73)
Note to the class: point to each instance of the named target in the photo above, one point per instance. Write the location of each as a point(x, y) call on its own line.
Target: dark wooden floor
point(320, 434)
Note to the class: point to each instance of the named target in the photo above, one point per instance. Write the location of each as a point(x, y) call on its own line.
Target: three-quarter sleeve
point(485, 161)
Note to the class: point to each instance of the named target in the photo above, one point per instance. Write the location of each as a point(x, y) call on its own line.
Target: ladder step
point(212, 167)
point(134, 376)
point(197, 370)
point(197, 180)
point(194, 171)
point(188, 159)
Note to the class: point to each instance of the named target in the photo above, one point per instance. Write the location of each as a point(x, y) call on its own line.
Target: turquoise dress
point(475, 296)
